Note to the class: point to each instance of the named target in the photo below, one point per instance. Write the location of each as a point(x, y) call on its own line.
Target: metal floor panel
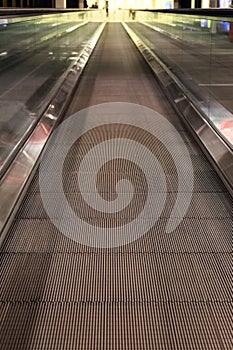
point(193, 235)
point(163, 291)
point(117, 326)
point(118, 277)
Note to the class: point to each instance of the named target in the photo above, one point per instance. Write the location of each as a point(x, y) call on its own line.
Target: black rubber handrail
point(216, 12)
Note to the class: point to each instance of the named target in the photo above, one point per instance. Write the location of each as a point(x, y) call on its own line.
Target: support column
point(153, 5)
point(60, 4)
point(213, 3)
point(81, 4)
point(231, 33)
point(205, 4)
point(4, 3)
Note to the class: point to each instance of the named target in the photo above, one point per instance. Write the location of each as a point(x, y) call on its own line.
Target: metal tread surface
point(162, 291)
point(119, 325)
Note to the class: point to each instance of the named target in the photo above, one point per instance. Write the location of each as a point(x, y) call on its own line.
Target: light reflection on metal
point(50, 116)
point(211, 109)
point(15, 181)
point(55, 24)
point(219, 152)
point(71, 29)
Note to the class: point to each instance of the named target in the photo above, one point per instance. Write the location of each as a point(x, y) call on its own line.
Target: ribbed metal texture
point(163, 291)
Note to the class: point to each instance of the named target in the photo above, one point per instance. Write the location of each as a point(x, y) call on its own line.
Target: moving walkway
point(159, 290)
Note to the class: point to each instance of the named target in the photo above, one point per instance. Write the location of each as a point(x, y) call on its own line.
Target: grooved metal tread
point(162, 291)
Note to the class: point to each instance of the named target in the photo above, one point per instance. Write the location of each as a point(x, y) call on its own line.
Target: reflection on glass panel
point(35, 54)
point(199, 51)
